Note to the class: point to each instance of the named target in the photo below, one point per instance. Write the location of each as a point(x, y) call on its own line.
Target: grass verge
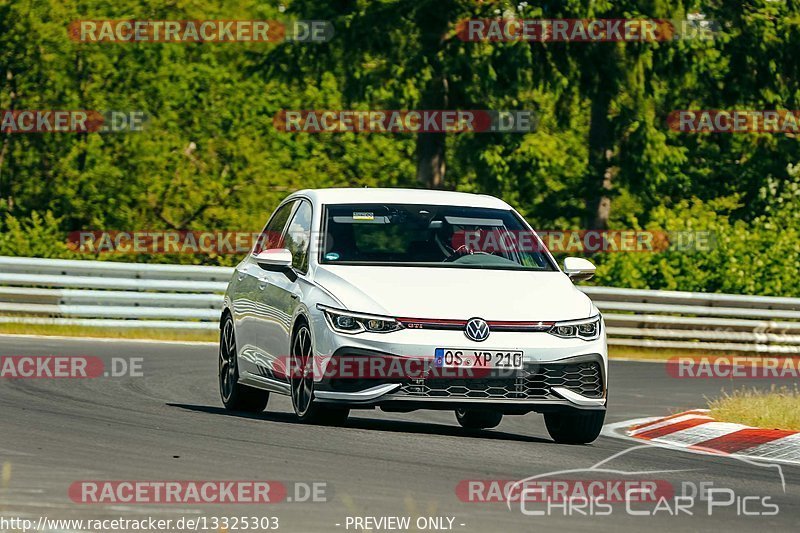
point(778, 408)
point(108, 333)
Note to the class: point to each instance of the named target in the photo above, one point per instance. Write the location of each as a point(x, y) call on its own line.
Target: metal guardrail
point(153, 296)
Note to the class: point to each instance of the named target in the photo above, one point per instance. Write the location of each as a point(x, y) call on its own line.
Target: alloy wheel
point(302, 372)
point(227, 361)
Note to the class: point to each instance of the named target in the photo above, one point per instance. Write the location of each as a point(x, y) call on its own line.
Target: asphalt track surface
point(169, 425)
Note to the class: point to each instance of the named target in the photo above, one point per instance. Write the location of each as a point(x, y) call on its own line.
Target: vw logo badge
point(477, 329)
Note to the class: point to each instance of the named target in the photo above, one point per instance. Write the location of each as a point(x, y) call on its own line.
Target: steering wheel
point(460, 252)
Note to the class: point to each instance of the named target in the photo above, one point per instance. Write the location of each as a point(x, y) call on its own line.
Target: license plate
point(455, 358)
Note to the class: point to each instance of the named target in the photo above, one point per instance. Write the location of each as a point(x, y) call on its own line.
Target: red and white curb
point(695, 431)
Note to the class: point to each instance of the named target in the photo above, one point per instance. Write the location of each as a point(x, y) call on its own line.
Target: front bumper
point(575, 382)
point(557, 373)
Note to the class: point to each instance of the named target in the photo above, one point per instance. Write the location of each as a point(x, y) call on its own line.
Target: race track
point(169, 425)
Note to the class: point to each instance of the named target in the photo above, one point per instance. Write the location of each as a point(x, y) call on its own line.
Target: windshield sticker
point(331, 256)
point(363, 215)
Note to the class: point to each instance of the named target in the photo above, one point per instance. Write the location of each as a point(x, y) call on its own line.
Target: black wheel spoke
point(296, 385)
point(229, 345)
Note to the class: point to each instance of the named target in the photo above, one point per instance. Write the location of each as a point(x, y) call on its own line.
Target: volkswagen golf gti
point(404, 299)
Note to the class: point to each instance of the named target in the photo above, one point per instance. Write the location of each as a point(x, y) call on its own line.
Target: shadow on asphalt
point(372, 424)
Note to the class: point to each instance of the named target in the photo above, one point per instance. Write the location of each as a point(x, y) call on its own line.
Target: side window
point(271, 237)
point(298, 236)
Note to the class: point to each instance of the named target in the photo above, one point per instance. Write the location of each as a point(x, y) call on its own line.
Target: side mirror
point(275, 259)
point(578, 269)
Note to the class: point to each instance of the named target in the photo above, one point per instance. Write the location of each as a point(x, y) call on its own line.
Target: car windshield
point(430, 235)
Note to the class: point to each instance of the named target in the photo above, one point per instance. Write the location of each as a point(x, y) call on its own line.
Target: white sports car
point(412, 299)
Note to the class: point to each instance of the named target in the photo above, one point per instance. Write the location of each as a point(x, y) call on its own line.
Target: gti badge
point(477, 329)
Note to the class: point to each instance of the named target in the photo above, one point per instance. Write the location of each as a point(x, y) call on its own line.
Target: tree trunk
point(601, 172)
point(432, 17)
point(602, 210)
point(6, 141)
point(431, 163)
point(431, 158)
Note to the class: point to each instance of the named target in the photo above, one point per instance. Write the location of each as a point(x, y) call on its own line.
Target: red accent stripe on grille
point(432, 321)
point(492, 323)
point(506, 323)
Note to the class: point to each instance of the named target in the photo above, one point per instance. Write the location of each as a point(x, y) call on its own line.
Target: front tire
point(478, 419)
point(235, 397)
point(301, 381)
point(575, 428)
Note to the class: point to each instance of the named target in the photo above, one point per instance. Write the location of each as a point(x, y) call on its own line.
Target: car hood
point(455, 293)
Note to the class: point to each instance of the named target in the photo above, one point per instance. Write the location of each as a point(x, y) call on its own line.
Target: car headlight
point(588, 329)
point(342, 321)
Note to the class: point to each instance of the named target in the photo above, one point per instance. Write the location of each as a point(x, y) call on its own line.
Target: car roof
point(400, 196)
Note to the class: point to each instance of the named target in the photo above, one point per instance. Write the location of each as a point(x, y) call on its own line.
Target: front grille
point(531, 383)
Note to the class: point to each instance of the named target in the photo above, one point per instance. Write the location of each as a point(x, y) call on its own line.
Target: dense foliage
point(601, 156)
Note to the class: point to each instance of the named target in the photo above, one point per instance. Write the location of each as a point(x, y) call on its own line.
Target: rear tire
point(575, 428)
point(301, 382)
point(478, 419)
point(235, 397)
